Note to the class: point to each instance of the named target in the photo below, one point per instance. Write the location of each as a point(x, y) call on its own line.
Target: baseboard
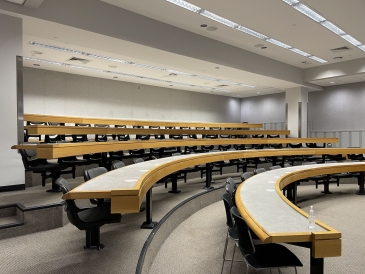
point(12, 188)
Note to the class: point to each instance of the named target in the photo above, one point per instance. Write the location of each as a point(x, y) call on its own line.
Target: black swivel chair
point(232, 232)
point(262, 256)
point(92, 173)
point(245, 176)
point(88, 219)
point(42, 166)
point(118, 164)
point(259, 170)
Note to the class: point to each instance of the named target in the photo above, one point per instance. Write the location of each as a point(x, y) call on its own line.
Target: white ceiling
point(84, 25)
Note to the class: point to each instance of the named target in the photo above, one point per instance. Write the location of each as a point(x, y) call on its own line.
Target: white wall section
point(49, 92)
point(12, 170)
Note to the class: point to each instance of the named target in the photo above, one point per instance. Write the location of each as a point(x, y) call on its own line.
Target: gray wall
point(263, 109)
point(11, 167)
point(50, 92)
point(339, 107)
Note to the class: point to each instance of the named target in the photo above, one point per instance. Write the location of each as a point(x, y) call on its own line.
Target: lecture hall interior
point(165, 136)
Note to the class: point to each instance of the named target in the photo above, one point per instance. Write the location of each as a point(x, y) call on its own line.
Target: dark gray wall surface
point(337, 108)
point(263, 109)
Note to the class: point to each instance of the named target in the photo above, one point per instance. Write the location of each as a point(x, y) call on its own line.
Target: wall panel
point(50, 92)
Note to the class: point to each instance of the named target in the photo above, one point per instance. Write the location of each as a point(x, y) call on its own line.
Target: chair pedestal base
point(208, 187)
point(174, 191)
point(148, 225)
point(360, 193)
point(93, 239)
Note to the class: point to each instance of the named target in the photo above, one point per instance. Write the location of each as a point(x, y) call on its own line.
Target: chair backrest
point(274, 167)
point(232, 183)
point(259, 170)
point(244, 235)
point(122, 137)
point(101, 137)
point(228, 204)
point(94, 172)
point(245, 176)
point(140, 136)
point(138, 160)
point(331, 162)
point(176, 154)
point(118, 164)
point(65, 187)
point(308, 163)
point(71, 208)
point(29, 158)
point(287, 165)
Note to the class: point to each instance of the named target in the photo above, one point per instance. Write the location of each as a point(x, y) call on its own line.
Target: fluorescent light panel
point(128, 62)
point(309, 12)
point(304, 9)
point(120, 73)
point(325, 23)
point(218, 19)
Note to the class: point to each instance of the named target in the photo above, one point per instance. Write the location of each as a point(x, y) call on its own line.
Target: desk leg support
point(174, 185)
point(295, 188)
point(316, 265)
point(361, 184)
point(208, 177)
point(149, 224)
point(326, 186)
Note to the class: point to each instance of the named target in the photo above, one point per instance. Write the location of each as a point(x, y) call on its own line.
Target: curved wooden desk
point(127, 186)
point(44, 130)
point(53, 151)
point(109, 121)
point(276, 220)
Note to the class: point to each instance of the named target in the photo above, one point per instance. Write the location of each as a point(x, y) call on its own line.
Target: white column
point(296, 111)
point(11, 167)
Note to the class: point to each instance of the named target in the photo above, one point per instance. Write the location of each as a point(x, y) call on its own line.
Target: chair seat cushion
point(48, 167)
point(98, 216)
point(272, 256)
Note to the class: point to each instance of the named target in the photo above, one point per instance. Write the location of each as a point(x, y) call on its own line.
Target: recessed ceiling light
point(211, 28)
point(112, 66)
point(258, 92)
point(332, 82)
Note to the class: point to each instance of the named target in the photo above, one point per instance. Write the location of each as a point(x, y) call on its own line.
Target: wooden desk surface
point(53, 151)
point(44, 130)
point(90, 120)
point(274, 219)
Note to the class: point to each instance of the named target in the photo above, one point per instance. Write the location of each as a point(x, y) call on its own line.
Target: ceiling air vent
point(340, 49)
point(78, 60)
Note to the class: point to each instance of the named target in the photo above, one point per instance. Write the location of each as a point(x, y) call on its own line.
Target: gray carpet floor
point(60, 250)
point(196, 246)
